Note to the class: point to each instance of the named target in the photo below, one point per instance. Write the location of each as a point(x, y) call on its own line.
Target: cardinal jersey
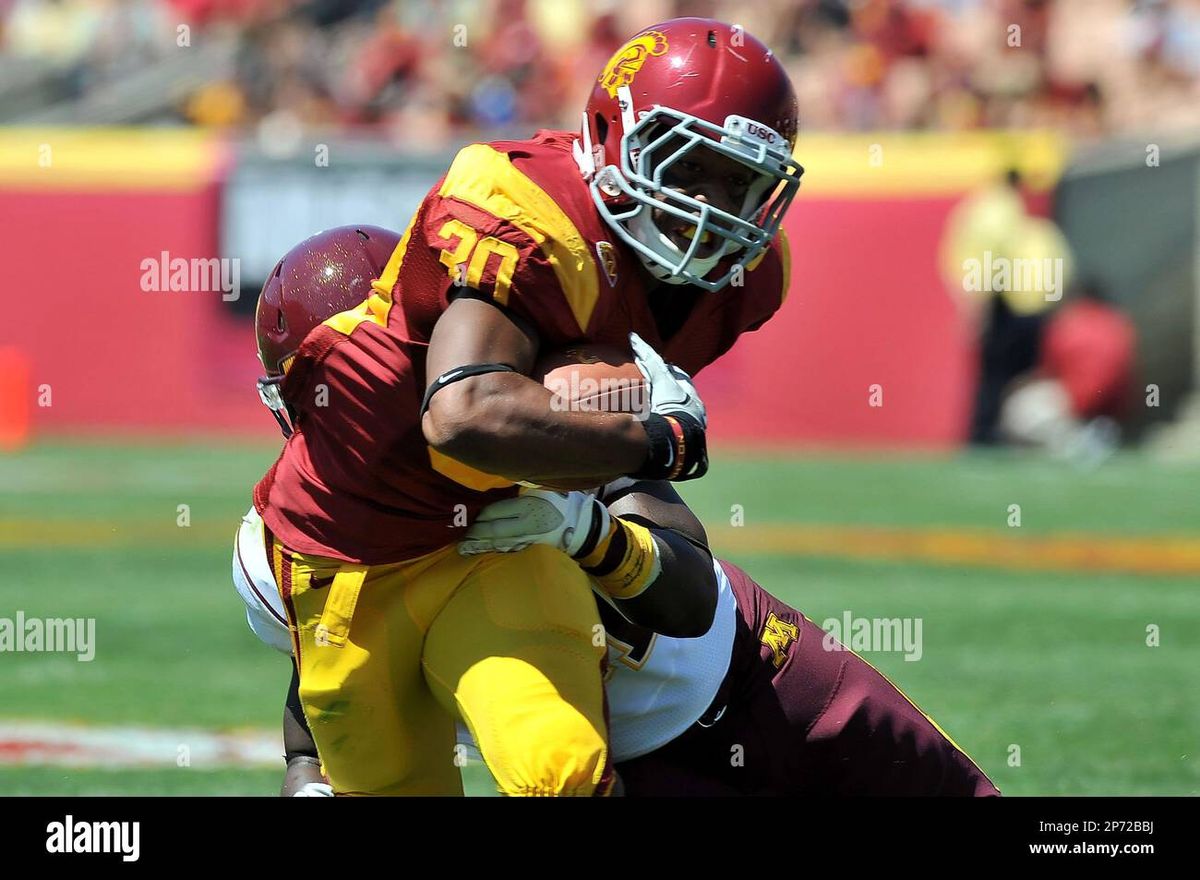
point(514, 221)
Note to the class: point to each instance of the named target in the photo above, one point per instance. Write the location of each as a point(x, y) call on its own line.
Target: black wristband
point(665, 459)
point(613, 556)
point(593, 535)
point(695, 459)
point(661, 454)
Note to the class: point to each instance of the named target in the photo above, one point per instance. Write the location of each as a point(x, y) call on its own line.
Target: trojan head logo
point(608, 261)
point(629, 60)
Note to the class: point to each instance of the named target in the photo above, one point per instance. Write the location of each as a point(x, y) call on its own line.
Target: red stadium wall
point(866, 306)
point(73, 235)
point(114, 356)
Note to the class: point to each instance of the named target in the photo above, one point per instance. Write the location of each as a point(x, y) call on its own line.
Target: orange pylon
point(14, 399)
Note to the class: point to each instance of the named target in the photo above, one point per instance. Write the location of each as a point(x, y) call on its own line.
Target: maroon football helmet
point(683, 85)
point(328, 273)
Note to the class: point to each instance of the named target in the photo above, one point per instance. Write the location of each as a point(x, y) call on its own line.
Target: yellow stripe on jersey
point(464, 474)
point(485, 178)
point(785, 255)
point(345, 322)
point(386, 282)
point(375, 308)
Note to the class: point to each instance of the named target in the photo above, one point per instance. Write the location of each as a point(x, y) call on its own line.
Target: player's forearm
point(681, 601)
point(654, 562)
point(507, 424)
point(301, 772)
point(303, 766)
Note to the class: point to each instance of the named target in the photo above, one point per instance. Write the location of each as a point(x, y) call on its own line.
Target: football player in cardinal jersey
point(658, 221)
point(700, 670)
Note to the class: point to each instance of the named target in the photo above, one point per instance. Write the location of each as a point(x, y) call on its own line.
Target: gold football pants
point(390, 655)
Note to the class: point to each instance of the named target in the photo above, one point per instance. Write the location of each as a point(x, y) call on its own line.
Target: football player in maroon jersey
point(753, 699)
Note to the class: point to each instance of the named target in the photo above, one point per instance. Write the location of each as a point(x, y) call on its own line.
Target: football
point(594, 378)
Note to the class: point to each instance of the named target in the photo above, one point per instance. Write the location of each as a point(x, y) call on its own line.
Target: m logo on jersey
point(633, 654)
point(778, 635)
point(629, 60)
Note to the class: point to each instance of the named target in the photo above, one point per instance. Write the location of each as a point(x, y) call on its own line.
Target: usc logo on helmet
point(629, 60)
point(762, 133)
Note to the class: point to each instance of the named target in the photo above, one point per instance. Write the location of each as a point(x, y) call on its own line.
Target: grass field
point(1039, 653)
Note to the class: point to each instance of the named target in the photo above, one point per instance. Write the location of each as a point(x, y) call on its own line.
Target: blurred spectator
point(1072, 402)
point(1089, 348)
point(1007, 269)
point(59, 31)
point(420, 70)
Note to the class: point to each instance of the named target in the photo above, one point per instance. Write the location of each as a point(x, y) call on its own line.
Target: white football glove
point(314, 789)
point(671, 389)
point(568, 522)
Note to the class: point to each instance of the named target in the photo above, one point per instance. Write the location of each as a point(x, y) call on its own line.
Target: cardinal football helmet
point(684, 85)
point(325, 274)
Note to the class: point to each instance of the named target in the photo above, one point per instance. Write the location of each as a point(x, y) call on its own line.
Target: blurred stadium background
point(1061, 640)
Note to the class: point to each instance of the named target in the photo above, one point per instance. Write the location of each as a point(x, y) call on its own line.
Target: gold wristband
point(626, 562)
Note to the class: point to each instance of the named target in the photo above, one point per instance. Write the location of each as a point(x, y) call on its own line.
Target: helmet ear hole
point(280, 321)
point(601, 127)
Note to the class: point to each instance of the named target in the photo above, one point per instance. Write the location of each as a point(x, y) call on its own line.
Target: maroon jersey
point(515, 221)
point(802, 719)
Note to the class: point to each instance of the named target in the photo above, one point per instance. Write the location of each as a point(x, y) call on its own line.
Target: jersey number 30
point(469, 257)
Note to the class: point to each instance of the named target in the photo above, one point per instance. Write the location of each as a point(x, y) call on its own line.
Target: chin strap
point(272, 398)
point(584, 157)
